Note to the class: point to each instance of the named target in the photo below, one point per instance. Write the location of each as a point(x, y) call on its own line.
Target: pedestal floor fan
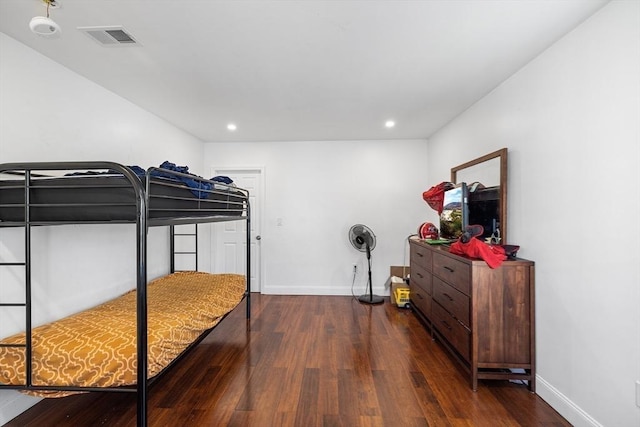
point(363, 239)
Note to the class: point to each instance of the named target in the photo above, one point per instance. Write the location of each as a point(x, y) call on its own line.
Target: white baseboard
point(13, 404)
point(317, 290)
point(565, 407)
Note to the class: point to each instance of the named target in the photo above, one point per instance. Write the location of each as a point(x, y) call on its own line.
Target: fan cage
point(366, 234)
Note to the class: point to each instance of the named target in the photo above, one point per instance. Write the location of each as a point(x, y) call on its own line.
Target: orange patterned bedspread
point(97, 347)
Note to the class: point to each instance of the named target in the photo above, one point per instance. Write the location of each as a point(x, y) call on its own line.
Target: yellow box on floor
point(401, 295)
point(402, 273)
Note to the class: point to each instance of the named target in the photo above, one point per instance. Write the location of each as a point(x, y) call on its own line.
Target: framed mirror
point(488, 201)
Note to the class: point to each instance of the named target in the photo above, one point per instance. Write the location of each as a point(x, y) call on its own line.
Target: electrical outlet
point(638, 393)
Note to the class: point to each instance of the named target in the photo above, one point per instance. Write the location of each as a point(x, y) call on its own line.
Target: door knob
point(258, 237)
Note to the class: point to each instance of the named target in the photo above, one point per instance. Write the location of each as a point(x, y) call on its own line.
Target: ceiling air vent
point(110, 36)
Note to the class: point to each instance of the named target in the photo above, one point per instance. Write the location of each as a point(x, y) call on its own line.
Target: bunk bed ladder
point(172, 246)
point(27, 278)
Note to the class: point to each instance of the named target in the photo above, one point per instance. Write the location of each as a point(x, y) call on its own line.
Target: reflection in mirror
point(487, 172)
point(488, 205)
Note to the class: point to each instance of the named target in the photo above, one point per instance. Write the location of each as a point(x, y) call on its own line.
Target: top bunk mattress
point(100, 198)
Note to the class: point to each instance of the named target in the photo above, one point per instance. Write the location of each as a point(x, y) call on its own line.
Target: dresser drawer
point(452, 300)
point(421, 256)
point(456, 273)
point(420, 300)
point(456, 334)
point(421, 277)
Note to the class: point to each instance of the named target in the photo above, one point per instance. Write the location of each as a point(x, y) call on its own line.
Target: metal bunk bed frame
point(143, 222)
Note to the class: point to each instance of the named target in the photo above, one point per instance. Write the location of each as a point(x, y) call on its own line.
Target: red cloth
point(435, 195)
point(475, 248)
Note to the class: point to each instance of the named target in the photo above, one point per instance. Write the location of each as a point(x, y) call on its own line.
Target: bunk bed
point(110, 193)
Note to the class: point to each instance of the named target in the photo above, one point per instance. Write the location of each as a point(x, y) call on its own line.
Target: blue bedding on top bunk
point(200, 188)
point(195, 184)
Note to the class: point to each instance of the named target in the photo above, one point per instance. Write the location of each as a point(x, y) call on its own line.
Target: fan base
point(371, 299)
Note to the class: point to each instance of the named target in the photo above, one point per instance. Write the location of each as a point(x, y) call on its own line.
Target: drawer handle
point(419, 254)
point(449, 269)
point(446, 325)
point(420, 275)
point(420, 295)
point(447, 295)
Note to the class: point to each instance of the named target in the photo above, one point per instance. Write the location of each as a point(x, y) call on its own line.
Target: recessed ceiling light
point(232, 127)
point(389, 124)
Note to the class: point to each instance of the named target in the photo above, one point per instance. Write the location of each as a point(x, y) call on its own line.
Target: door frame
point(261, 170)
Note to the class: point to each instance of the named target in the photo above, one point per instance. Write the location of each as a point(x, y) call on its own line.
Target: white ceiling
point(302, 70)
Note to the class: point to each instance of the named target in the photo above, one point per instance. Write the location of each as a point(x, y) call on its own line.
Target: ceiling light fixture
point(45, 26)
point(389, 124)
point(232, 127)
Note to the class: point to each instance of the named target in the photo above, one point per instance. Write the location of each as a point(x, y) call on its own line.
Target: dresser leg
point(532, 382)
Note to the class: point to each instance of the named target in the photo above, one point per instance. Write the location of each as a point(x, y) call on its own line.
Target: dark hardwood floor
point(310, 361)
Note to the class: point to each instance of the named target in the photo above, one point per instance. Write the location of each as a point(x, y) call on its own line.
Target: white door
point(228, 241)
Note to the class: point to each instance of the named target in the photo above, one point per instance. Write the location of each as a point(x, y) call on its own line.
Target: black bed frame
point(141, 202)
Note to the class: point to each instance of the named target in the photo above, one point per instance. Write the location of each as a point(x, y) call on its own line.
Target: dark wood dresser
point(485, 317)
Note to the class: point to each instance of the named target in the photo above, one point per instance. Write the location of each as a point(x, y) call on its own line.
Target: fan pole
point(371, 298)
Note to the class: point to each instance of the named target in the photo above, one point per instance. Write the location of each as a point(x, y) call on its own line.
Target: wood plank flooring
point(310, 361)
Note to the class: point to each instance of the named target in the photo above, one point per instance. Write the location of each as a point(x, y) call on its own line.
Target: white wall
point(571, 121)
point(48, 113)
point(320, 189)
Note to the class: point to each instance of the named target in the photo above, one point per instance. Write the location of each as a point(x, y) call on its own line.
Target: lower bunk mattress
point(97, 347)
